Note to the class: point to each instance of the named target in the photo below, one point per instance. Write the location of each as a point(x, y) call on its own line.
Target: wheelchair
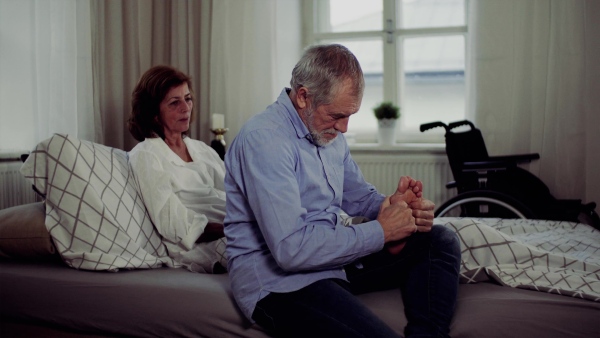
point(495, 186)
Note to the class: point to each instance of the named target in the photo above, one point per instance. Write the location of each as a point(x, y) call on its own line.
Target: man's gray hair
point(323, 68)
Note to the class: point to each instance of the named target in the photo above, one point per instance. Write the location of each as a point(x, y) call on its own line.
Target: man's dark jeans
point(426, 271)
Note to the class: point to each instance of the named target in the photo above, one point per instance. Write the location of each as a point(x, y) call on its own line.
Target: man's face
point(325, 121)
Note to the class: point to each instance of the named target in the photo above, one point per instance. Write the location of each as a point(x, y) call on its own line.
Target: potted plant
point(387, 114)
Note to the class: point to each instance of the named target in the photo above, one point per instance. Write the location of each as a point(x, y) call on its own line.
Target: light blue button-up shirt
point(284, 199)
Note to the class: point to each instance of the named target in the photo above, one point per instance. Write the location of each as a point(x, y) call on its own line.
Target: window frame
point(392, 37)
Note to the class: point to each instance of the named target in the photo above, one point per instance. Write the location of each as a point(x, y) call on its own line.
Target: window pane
point(430, 13)
point(348, 15)
point(369, 53)
point(433, 80)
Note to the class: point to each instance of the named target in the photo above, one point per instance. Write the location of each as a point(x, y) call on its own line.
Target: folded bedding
point(548, 256)
point(94, 210)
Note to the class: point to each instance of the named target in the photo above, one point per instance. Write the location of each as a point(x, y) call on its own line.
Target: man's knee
point(445, 240)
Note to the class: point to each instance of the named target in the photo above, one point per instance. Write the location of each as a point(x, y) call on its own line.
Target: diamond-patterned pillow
point(94, 211)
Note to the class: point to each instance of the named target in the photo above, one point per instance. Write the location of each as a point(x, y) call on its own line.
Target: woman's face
point(176, 110)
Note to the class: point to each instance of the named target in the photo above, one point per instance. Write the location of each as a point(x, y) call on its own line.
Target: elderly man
point(295, 266)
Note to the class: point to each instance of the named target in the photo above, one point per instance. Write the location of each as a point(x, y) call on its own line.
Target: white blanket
point(94, 211)
point(549, 256)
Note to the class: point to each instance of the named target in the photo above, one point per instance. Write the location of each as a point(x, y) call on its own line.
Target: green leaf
point(386, 110)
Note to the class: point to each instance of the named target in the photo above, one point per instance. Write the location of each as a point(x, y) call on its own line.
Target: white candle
point(218, 121)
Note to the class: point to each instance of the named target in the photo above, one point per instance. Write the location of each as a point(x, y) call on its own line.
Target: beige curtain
point(535, 87)
point(128, 37)
point(254, 46)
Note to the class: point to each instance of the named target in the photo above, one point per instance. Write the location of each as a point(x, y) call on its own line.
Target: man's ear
point(302, 97)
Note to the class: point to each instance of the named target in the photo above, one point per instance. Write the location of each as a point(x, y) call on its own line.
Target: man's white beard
point(318, 137)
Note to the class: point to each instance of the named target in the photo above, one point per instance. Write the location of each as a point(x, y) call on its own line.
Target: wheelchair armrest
point(487, 165)
point(499, 162)
point(522, 158)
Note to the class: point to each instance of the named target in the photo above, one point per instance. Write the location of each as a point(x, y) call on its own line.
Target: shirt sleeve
point(267, 162)
point(176, 223)
point(360, 197)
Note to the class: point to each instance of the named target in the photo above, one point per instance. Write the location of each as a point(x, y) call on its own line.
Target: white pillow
point(94, 211)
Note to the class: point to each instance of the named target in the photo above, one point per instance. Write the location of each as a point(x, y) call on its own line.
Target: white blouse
point(181, 198)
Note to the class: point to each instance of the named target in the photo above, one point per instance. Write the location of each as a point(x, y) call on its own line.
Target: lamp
point(218, 128)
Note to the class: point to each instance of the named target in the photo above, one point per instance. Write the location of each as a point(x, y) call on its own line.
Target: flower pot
point(387, 132)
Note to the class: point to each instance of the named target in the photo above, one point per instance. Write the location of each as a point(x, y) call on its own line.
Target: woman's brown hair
point(144, 120)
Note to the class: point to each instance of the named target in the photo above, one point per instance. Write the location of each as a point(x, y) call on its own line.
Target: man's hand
point(396, 220)
point(422, 211)
point(410, 191)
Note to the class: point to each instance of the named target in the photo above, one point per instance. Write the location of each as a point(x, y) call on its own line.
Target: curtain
point(132, 36)
point(45, 67)
point(535, 84)
point(254, 46)
point(70, 66)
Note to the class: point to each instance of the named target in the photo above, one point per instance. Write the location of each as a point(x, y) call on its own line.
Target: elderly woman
point(181, 179)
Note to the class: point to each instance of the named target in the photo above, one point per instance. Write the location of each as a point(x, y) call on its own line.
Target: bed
point(87, 262)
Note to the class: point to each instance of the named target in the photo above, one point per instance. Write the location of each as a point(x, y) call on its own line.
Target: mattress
point(173, 302)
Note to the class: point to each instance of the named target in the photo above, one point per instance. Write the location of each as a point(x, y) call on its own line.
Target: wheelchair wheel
point(589, 216)
point(484, 204)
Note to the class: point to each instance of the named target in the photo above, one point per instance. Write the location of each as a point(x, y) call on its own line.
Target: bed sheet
point(549, 256)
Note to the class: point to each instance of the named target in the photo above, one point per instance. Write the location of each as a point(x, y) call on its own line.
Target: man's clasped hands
point(404, 213)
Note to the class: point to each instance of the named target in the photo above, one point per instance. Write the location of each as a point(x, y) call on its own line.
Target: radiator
point(14, 188)
point(384, 171)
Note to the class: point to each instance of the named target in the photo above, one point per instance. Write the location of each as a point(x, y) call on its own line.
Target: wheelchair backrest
point(464, 146)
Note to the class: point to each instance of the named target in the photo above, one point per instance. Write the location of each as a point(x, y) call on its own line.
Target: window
point(412, 52)
point(45, 72)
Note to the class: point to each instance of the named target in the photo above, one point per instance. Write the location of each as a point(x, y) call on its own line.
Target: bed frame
point(49, 299)
point(65, 283)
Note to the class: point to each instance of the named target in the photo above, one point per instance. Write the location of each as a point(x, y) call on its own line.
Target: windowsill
point(420, 148)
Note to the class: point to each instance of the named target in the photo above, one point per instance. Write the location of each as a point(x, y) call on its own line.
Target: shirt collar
point(167, 152)
point(294, 116)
